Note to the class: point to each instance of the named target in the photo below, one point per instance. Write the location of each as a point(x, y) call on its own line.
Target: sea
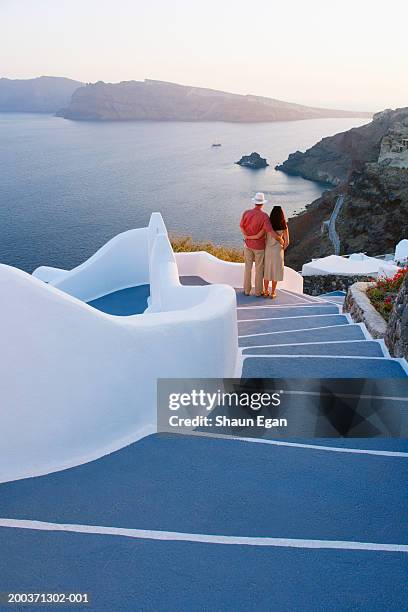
point(67, 187)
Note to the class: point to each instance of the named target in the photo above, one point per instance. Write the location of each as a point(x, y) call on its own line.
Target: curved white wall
point(121, 263)
point(77, 383)
point(214, 270)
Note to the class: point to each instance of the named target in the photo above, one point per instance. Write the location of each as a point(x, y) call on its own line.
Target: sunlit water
point(67, 187)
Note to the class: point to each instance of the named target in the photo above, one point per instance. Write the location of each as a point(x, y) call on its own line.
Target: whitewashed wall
point(76, 383)
point(214, 270)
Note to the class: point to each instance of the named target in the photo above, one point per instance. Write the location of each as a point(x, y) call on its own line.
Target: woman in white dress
point(274, 251)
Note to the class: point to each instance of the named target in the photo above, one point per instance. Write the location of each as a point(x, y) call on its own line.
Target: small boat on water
point(216, 144)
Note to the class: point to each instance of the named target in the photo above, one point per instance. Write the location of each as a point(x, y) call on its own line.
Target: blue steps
point(325, 334)
point(246, 328)
point(226, 487)
point(307, 337)
point(321, 367)
point(180, 483)
point(270, 312)
point(360, 348)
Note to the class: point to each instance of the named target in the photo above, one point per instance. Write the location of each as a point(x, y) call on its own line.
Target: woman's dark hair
point(277, 218)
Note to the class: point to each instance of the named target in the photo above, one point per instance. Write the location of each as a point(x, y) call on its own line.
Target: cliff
point(41, 95)
point(396, 336)
point(374, 181)
point(374, 217)
point(332, 159)
point(158, 100)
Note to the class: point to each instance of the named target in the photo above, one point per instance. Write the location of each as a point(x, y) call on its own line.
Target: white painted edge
point(176, 536)
point(384, 347)
point(313, 316)
point(285, 306)
point(403, 363)
point(290, 331)
point(365, 331)
point(240, 363)
point(364, 357)
point(319, 447)
point(306, 343)
point(348, 395)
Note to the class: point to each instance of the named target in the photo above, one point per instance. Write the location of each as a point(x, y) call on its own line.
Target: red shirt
point(252, 222)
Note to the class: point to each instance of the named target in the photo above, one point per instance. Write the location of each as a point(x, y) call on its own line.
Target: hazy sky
point(350, 54)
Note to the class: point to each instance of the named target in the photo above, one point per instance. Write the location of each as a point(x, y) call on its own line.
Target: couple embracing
point(266, 238)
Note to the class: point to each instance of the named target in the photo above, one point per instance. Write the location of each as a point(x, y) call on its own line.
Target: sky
point(337, 54)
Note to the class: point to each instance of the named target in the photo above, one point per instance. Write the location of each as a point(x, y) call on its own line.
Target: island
point(253, 161)
point(45, 94)
point(162, 101)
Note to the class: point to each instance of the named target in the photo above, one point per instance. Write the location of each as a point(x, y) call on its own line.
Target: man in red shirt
point(252, 222)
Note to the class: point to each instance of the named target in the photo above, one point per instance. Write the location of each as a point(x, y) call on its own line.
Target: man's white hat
point(259, 199)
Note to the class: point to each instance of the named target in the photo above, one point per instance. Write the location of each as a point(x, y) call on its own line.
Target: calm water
point(67, 187)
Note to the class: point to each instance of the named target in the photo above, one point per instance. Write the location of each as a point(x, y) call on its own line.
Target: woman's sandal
point(273, 296)
point(265, 294)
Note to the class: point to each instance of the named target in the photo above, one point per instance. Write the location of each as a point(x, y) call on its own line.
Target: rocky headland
point(369, 165)
point(158, 100)
point(44, 94)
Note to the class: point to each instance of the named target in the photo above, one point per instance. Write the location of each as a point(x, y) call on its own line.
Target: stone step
point(321, 367)
point(361, 348)
point(277, 312)
point(262, 326)
point(325, 334)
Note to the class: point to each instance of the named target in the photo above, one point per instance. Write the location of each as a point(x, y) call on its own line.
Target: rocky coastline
point(333, 158)
point(372, 173)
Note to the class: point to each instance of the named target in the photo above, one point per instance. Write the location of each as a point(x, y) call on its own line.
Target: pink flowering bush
point(384, 292)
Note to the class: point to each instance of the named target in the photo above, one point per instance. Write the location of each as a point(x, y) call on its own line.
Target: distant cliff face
point(332, 159)
point(157, 100)
point(373, 176)
point(41, 95)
